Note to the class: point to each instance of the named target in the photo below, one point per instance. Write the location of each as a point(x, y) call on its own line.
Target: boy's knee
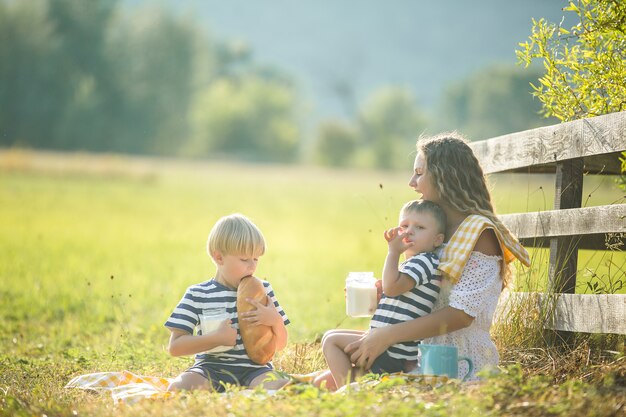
point(275, 384)
point(329, 342)
point(188, 381)
point(174, 386)
point(328, 334)
point(269, 381)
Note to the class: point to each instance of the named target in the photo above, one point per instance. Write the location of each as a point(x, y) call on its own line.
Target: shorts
point(386, 364)
point(220, 374)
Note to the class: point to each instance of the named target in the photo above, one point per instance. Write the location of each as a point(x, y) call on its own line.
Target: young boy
point(235, 245)
point(409, 291)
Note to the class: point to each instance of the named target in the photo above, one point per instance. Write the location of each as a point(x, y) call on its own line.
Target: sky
point(332, 47)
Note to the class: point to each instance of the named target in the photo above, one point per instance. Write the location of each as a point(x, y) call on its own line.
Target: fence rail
point(599, 228)
point(597, 141)
point(570, 151)
point(586, 313)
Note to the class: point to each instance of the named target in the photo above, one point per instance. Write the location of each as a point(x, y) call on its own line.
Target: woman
point(474, 261)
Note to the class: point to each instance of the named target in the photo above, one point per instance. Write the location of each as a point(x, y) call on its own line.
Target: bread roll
point(259, 340)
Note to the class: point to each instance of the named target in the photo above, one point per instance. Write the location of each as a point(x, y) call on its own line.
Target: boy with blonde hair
point(235, 245)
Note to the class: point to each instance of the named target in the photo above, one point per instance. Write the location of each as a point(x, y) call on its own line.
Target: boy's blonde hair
point(236, 235)
point(425, 206)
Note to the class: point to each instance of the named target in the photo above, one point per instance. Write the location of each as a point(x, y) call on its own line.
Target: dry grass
point(584, 360)
point(77, 163)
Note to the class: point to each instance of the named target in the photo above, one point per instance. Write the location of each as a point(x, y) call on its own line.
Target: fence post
point(564, 250)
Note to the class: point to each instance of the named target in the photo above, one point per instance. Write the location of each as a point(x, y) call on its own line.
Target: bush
point(335, 143)
point(249, 117)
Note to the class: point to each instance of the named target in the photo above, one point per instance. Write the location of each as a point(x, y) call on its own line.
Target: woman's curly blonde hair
point(458, 178)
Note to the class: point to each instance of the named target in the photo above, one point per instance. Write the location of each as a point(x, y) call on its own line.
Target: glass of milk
point(210, 320)
point(361, 294)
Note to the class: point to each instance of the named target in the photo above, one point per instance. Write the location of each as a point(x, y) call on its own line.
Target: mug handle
point(470, 365)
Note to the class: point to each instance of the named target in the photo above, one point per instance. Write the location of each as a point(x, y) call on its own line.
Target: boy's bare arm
point(183, 343)
point(268, 316)
point(395, 282)
point(280, 331)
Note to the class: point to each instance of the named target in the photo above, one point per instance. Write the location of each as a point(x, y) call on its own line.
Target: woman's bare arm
point(376, 341)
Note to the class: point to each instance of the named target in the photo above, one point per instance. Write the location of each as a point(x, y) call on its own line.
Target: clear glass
point(210, 320)
point(361, 294)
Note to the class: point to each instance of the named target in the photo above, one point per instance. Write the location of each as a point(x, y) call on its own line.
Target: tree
point(390, 121)
point(80, 33)
point(156, 56)
point(56, 85)
point(585, 65)
point(492, 102)
point(247, 117)
point(32, 96)
point(87, 75)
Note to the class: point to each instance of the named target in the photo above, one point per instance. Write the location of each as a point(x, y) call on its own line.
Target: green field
point(96, 251)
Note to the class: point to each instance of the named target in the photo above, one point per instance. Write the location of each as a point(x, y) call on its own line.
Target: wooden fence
point(569, 150)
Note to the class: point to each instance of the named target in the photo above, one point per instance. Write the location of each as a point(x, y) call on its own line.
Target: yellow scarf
point(456, 253)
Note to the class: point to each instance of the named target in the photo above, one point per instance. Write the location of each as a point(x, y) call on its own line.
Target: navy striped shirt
point(212, 294)
point(416, 302)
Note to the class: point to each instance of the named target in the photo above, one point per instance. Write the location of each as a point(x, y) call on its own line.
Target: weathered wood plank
point(590, 313)
point(600, 241)
point(546, 145)
point(569, 222)
point(606, 164)
point(586, 313)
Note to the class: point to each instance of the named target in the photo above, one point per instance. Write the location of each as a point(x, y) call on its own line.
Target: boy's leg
point(190, 381)
point(344, 331)
point(338, 361)
point(325, 377)
point(267, 381)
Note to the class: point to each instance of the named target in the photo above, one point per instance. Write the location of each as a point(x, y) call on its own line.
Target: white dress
point(476, 294)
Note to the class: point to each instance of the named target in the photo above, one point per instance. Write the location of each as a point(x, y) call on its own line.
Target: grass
point(95, 251)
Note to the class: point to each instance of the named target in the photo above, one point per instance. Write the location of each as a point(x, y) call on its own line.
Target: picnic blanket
point(124, 386)
point(128, 388)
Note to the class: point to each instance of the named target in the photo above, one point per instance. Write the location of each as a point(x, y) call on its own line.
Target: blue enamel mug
point(442, 360)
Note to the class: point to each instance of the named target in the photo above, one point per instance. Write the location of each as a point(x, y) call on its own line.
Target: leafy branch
point(585, 68)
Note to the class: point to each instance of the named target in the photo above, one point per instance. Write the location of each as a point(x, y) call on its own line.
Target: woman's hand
point(364, 351)
point(266, 315)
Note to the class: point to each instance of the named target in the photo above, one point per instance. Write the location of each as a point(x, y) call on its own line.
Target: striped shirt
point(416, 302)
point(212, 294)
